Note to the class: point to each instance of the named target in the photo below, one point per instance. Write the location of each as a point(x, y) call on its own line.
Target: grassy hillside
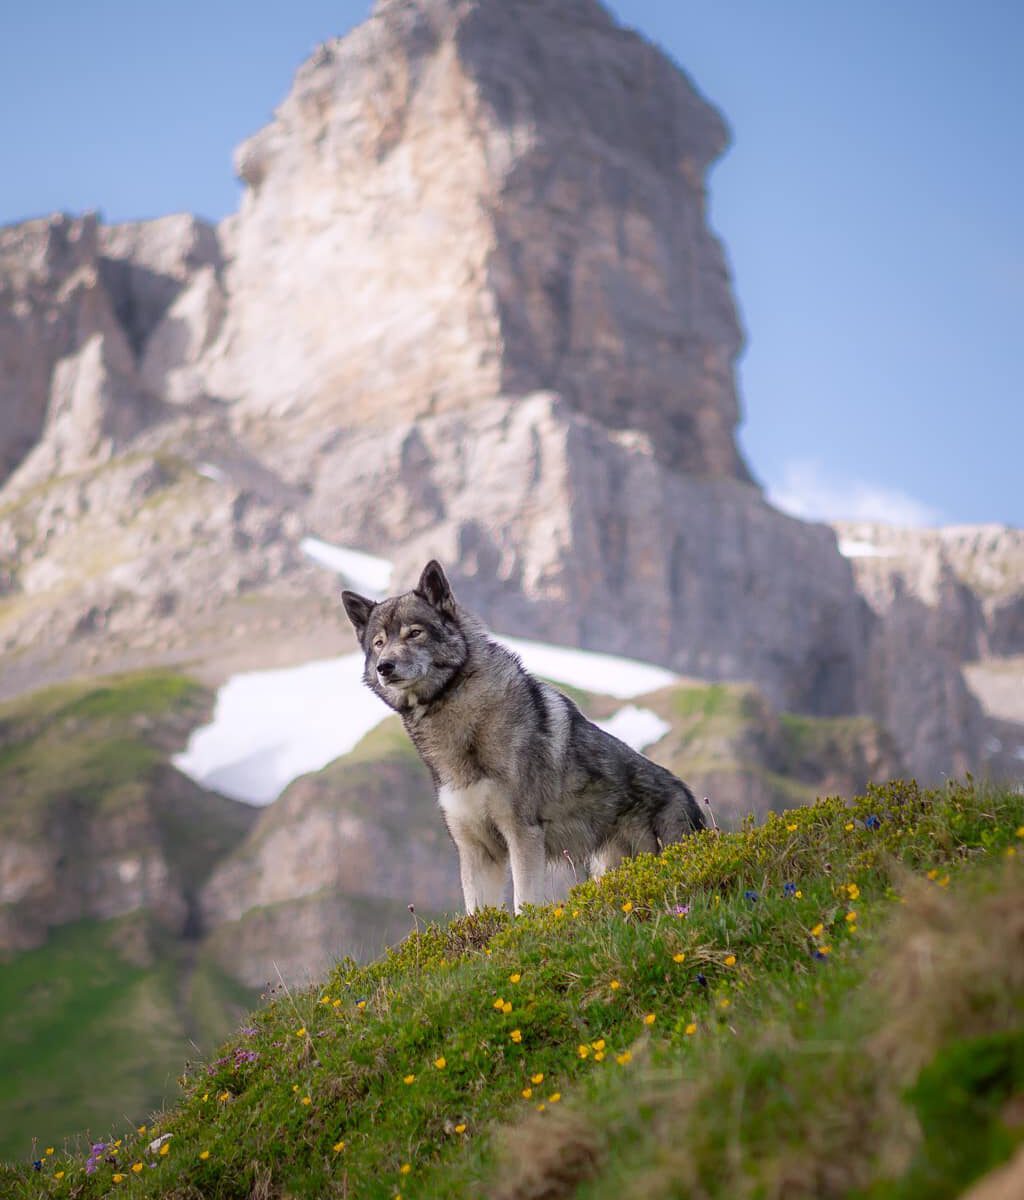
point(829, 1005)
point(96, 1022)
point(104, 991)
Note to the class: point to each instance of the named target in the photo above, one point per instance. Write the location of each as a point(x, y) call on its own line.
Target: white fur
point(472, 813)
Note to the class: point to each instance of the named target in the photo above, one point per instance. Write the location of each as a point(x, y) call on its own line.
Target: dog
point(522, 777)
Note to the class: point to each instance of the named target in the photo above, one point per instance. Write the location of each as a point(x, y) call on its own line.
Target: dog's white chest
point(479, 807)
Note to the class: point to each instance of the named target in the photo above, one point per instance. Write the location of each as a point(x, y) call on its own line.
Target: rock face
point(945, 646)
point(331, 867)
point(460, 200)
point(470, 308)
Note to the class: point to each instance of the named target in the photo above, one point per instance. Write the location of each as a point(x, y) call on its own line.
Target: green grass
point(793, 1052)
point(92, 1024)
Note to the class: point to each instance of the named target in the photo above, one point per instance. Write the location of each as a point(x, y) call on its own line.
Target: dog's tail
point(682, 815)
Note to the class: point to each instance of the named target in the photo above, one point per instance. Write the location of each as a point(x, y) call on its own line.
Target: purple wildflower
point(681, 910)
point(90, 1165)
point(249, 1030)
point(821, 957)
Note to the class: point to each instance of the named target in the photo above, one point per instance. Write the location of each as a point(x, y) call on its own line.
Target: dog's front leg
point(526, 850)
point(483, 876)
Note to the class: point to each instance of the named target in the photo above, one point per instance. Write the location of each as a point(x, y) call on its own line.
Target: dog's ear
point(358, 609)
point(435, 588)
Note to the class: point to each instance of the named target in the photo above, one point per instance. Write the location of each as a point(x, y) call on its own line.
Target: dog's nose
point(385, 668)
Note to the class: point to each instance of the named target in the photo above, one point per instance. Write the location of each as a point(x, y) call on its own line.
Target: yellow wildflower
point(506, 1008)
point(853, 928)
point(538, 1078)
point(628, 906)
point(440, 1063)
point(853, 891)
point(818, 930)
point(206, 1096)
point(307, 1099)
point(409, 1079)
point(583, 1051)
point(204, 1155)
point(338, 1147)
point(295, 1087)
point(680, 957)
point(360, 1004)
point(117, 1144)
point(460, 1128)
point(849, 826)
point(554, 1097)
point(575, 912)
point(598, 1045)
point(791, 828)
point(499, 1004)
point(933, 873)
point(691, 1029)
point(944, 881)
point(559, 911)
point(335, 1003)
point(165, 1149)
point(515, 978)
point(650, 1019)
point(615, 985)
point(405, 1168)
point(137, 1167)
point(598, 1056)
point(799, 894)
point(301, 1032)
point(824, 949)
point(851, 916)
point(730, 960)
point(58, 1174)
point(516, 1035)
point(118, 1177)
point(49, 1149)
point(325, 999)
point(1020, 831)
point(623, 1058)
point(527, 1093)
point(141, 1129)
point(224, 1096)
point(542, 1107)
point(1011, 851)
point(724, 1002)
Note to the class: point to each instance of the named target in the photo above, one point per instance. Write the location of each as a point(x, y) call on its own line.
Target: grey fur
point(522, 776)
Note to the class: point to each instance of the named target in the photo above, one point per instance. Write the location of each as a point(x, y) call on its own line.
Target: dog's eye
point(415, 632)
point(378, 643)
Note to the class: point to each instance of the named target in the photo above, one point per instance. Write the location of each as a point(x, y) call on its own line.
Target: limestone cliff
point(470, 308)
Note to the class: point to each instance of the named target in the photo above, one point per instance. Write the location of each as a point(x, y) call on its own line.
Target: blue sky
point(871, 204)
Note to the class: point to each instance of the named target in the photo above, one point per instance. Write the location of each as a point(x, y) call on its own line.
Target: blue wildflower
point(751, 896)
point(702, 979)
point(872, 822)
point(789, 889)
point(37, 1164)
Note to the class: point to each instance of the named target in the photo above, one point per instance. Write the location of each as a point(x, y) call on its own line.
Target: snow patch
point(269, 727)
point(605, 674)
point(637, 727)
point(852, 548)
point(210, 471)
point(362, 571)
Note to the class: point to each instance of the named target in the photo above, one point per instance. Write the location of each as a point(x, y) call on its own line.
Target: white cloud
point(807, 490)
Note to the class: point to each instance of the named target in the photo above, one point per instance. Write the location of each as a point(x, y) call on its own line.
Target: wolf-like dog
point(522, 776)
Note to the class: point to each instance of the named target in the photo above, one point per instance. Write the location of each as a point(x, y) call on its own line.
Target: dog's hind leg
point(604, 859)
point(526, 850)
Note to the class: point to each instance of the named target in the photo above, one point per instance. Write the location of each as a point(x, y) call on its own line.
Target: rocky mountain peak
point(461, 200)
